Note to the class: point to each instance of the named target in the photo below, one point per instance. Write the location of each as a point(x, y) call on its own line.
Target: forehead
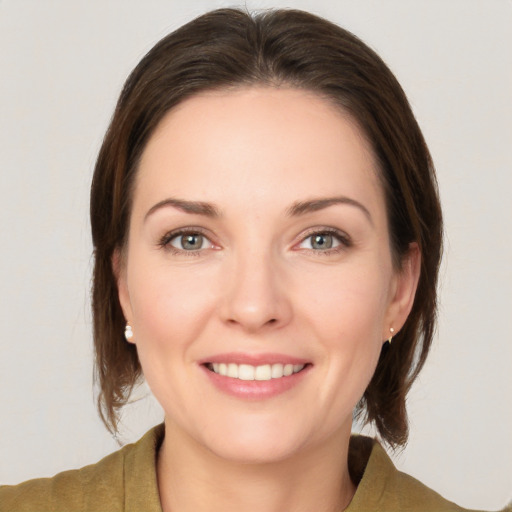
point(256, 145)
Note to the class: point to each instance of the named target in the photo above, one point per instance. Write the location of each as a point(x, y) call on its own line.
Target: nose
point(255, 296)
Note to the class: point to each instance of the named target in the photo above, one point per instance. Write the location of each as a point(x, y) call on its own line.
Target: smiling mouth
point(249, 372)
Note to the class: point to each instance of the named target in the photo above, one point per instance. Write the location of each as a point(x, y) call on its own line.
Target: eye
point(186, 241)
point(324, 241)
point(190, 242)
point(320, 242)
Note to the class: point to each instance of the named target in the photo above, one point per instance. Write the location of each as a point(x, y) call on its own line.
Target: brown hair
point(228, 48)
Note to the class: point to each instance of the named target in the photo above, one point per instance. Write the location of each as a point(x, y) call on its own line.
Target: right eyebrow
point(194, 207)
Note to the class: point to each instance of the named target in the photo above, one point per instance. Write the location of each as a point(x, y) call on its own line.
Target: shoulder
point(70, 489)
point(382, 487)
point(74, 490)
point(97, 487)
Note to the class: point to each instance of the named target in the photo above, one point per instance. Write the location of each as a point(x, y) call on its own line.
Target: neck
point(192, 478)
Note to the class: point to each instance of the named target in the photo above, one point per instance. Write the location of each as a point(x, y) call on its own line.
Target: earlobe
point(405, 291)
point(128, 333)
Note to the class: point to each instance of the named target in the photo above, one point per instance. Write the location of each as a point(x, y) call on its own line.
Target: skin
point(259, 285)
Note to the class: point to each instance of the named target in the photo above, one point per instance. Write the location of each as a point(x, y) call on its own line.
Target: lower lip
point(255, 389)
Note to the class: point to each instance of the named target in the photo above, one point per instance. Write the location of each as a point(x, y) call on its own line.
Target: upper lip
point(254, 359)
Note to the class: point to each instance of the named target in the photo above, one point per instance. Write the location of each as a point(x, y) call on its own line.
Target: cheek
point(169, 307)
point(169, 313)
point(347, 303)
point(347, 318)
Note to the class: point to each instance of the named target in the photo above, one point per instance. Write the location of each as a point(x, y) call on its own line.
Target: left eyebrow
point(313, 205)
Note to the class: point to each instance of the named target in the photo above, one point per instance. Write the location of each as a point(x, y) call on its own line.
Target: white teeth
point(277, 371)
point(262, 372)
point(232, 371)
point(246, 372)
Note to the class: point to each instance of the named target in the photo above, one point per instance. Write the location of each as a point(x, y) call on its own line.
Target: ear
point(403, 291)
point(119, 269)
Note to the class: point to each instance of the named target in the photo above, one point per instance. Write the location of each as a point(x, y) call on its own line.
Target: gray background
point(62, 64)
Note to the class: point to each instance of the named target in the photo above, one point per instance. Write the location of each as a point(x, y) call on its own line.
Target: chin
point(253, 452)
point(258, 442)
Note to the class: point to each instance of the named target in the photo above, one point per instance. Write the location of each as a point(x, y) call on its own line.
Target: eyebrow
point(314, 205)
point(295, 210)
point(194, 207)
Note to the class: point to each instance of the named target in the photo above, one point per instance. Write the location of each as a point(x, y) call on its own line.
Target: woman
point(267, 238)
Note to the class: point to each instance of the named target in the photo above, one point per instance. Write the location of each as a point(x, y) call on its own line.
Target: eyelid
point(344, 239)
point(164, 241)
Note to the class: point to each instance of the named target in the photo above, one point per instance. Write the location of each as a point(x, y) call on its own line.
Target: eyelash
point(344, 241)
point(165, 241)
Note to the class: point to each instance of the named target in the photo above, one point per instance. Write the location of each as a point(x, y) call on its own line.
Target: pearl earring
point(128, 333)
point(392, 331)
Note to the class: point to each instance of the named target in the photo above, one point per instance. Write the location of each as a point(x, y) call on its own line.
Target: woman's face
point(258, 246)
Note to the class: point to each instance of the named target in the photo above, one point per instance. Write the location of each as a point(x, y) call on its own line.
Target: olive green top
point(126, 481)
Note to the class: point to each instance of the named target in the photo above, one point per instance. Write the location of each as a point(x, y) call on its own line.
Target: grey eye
point(322, 241)
point(190, 242)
